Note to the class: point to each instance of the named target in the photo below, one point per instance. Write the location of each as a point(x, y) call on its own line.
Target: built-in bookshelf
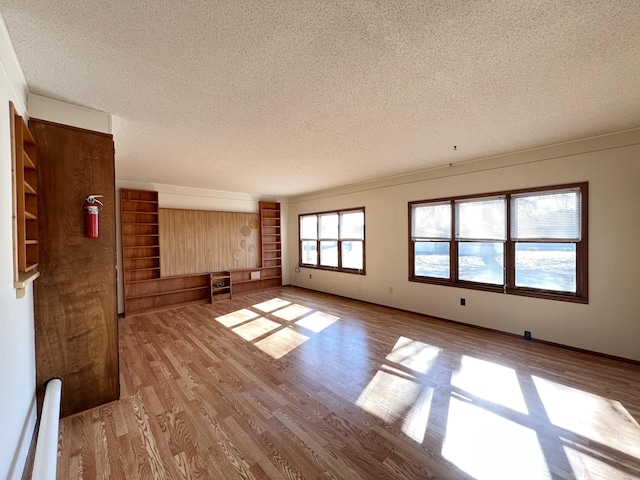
point(25, 202)
point(144, 289)
point(143, 296)
point(270, 234)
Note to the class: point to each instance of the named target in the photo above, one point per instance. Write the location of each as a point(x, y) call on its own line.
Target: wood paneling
point(75, 296)
point(358, 391)
point(198, 241)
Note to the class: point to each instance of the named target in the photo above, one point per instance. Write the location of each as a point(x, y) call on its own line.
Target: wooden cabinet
point(25, 191)
point(75, 307)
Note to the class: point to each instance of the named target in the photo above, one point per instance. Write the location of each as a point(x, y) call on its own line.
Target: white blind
point(431, 221)
point(329, 226)
point(543, 216)
point(352, 225)
point(481, 219)
point(309, 227)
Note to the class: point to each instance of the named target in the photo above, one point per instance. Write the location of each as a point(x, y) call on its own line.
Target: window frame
point(339, 241)
point(581, 294)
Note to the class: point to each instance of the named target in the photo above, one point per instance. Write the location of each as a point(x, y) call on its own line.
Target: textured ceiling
point(284, 97)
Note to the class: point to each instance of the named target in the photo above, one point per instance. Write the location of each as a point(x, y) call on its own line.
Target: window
point(333, 240)
point(431, 226)
point(528, 242)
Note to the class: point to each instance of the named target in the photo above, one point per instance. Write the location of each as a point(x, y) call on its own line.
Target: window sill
point(510, 291)
point(24, 279)
point(334, 269)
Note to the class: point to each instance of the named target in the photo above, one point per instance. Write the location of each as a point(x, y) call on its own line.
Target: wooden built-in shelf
point(220, 283)
point(242, 283)
point(255, 280)
point(145, 295)
point(25, 213)
point(138, 215)
point(166, 292)
point(271, 240)
point(146, 290)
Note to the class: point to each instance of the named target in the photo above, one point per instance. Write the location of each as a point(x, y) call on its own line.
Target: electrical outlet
point(309, 276)
point(390, 289)
point(463, 302)
point(527, 335)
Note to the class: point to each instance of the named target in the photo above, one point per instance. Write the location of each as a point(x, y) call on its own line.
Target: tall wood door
point(75, 296)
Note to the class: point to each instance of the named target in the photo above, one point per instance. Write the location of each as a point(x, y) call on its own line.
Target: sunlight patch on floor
point(235, 318)
point(490, 447)
point(414, 355)
point(317, 321)
point(251, 326)
point(490, 381)
point(594, 417)
point(591, 463)
point(292, 312)
point(417, 417)
point(389, 397)
point(256, 328)
point(395, 395)
point(279, 343)
point(271, 305)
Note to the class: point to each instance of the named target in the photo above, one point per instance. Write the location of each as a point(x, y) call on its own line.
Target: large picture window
point(528, 242)
point(333, 240)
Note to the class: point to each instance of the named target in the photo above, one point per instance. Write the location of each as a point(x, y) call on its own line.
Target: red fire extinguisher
point(91, 208)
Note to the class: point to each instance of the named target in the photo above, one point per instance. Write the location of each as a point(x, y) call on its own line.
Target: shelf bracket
point(24, 279)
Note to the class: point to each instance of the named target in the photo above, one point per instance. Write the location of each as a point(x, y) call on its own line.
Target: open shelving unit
point(270, 234)
point(144, 289)
point(25, 187)
point(140, 235)
point(220, 286)
point(143, 296)
point(263, 278)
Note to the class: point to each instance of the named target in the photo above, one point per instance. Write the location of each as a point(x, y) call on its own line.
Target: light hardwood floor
point(295, 384)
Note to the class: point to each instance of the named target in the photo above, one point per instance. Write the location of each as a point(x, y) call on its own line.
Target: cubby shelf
point(25, 188)
point(220, 286)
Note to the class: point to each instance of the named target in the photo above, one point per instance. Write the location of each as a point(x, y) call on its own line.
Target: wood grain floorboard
point(293, 384)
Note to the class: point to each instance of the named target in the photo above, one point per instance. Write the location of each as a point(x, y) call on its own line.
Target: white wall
point(17, 344)
point(171, 196)
point(609, 324)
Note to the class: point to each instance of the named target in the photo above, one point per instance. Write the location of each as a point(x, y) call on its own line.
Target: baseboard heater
point(46, 458)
